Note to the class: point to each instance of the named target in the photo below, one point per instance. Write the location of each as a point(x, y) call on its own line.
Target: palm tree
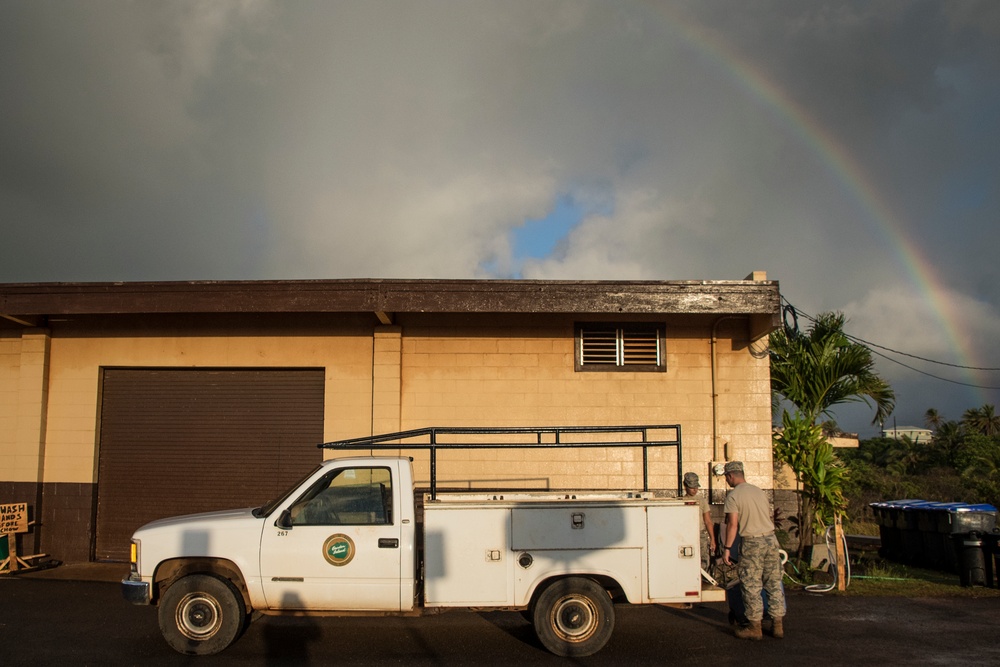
point(933, 419)
point(822, 368)
point(816, 371)
point(947, 439)
point(909, 456)
point(982, 420)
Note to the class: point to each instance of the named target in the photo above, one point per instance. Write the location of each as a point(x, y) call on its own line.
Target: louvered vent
point(639, 347)
point(600, 346)
point(619, 347)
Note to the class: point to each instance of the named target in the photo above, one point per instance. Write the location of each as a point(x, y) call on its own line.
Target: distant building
point(914, 433)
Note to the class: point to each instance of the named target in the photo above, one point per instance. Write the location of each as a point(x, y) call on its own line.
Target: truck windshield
point(269, 506)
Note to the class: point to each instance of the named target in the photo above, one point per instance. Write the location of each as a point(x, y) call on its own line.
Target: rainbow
point(844, 167)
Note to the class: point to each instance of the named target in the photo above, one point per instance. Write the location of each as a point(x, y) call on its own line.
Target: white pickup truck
point(351, 538)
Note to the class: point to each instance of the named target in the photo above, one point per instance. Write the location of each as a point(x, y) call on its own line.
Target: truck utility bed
point(493, 550)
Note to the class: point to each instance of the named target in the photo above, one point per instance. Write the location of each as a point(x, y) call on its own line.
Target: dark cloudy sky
point(849, 149)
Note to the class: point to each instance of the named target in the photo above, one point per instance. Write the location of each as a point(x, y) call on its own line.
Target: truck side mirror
point(284, 520)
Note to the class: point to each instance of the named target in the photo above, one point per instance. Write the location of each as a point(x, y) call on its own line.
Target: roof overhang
point(28, 304)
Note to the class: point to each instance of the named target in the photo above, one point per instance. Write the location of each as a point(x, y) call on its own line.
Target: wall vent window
point(619, 347)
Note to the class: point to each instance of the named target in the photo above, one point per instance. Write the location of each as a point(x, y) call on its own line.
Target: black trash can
point(991, 557)
point(888, 538)
point(933, 543)
point(912, 540)
point(971, 562)
point(962, 520)
point(946, 527)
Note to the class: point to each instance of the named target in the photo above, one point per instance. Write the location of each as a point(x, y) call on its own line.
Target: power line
point(931, 375)
point(870, 345)
point(913, 356)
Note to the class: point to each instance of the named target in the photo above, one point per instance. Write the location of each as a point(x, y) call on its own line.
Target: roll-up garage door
point(180, 441)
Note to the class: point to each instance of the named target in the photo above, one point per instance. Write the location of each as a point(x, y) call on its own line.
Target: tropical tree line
point(959, 463)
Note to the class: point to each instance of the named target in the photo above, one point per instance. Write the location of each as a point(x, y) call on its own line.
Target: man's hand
point(732, 526)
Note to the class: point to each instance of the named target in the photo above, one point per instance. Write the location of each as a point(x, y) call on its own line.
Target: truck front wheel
point(574, 617)
point(201, 615)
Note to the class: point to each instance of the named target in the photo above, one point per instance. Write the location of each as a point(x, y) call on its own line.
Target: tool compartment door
point(674, 553)
point(467, 559)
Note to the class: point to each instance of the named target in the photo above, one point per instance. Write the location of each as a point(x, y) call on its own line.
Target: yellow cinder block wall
point(424, 370)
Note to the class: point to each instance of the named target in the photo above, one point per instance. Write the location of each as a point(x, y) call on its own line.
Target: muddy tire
point(574, 617)
point(201, 615)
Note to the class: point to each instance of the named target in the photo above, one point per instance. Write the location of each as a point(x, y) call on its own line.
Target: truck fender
point(170, 571)
point(614, 589)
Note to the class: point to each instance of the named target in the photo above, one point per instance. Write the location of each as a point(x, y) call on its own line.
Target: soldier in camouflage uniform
point(691, 487)
point(748, 514)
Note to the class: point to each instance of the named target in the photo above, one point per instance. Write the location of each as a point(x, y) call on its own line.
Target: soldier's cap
point(734, 466)
point(691, 480)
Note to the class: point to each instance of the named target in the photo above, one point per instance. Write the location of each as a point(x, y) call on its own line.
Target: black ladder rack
point(404, 440)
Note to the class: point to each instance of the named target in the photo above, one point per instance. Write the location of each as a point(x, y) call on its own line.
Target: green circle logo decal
point(338, 549)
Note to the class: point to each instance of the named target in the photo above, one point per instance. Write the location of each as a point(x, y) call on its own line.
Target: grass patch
point(916, 583)
point(873, 576)
point(861, 528)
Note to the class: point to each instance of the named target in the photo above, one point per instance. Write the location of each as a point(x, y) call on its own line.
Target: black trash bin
point(892, 525)
point(946, 527)
point(971, 563)
point(888, 537)
point(912, 540)
point(991, 557)
point(933, 543)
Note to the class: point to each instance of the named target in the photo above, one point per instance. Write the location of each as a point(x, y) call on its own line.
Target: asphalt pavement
point(76, 615)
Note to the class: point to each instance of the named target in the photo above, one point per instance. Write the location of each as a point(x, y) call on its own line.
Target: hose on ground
point(831, 551)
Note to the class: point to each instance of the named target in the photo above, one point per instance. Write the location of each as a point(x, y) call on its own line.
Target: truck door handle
point(388, 543)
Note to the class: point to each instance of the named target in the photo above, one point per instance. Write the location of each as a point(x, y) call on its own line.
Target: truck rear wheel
point(574, 617)
point(201, 615)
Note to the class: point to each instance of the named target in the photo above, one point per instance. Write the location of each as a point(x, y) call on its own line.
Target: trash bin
point(933, 543)
point(962, 519)
point(888, 537)
point(913, 543)
point(942, 524)
point(974, 518)
point(4, 549)
point(891, 525)
point(991, 558)
point(971, 563)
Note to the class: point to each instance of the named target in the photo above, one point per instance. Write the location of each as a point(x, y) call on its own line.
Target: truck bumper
point(135, 591)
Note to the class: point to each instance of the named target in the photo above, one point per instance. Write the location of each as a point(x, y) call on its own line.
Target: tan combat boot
point(749, 631)
point(778, 628)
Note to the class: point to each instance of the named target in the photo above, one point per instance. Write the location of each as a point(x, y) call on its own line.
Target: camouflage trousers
point(705, 552)
point(760, 570)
